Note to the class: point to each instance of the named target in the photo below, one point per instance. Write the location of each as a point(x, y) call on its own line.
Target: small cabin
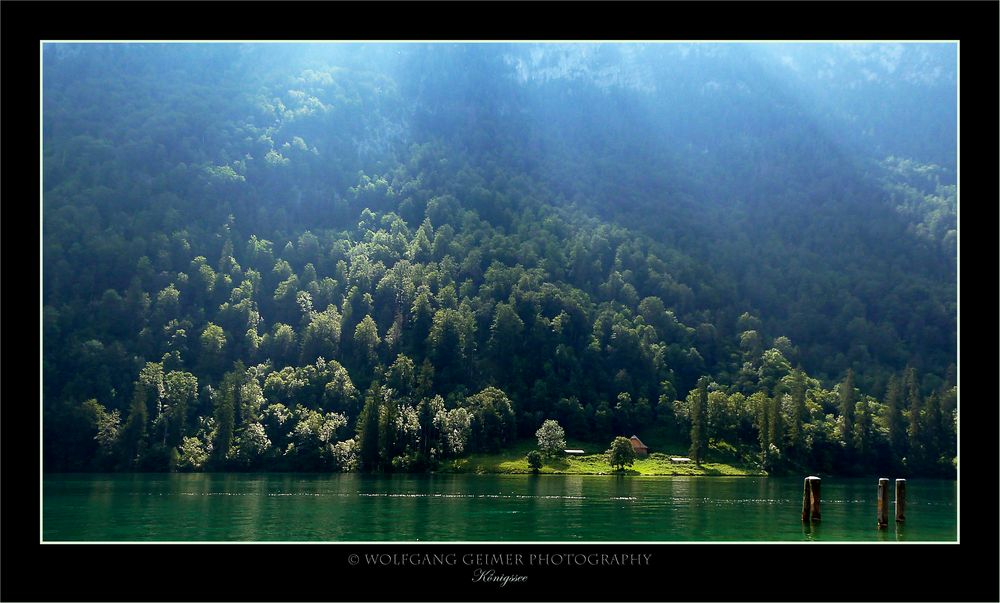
point(573, 451)
point(639, 448)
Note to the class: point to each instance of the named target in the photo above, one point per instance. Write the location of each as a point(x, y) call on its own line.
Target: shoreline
point(654, 465)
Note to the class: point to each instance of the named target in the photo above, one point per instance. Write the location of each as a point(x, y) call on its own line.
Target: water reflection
point(811, 530)
point(337, 507)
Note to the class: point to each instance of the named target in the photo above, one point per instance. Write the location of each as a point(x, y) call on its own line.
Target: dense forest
point(379, 257)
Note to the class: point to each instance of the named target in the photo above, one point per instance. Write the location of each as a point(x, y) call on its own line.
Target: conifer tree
point(894, 419)
point(933, 429)
point(775, 427)
point(798, 393)
point(225, 417)
point(699, 431)
point(847, 408)
point(388, 410)
point(864, 433)
point(368, 429)
point(914, 428)
point(133, 436)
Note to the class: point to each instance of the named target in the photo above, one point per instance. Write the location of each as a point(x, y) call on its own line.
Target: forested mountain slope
point(383, 256)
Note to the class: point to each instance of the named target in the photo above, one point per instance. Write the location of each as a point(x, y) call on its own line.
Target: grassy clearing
point(595, 462)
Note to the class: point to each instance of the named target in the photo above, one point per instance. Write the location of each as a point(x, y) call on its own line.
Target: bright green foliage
point(551, 438)
point(339, 392)
point(455, 426)
point(621, 454)
point(492, 420)
point(401, 376)
point(213, 348)
point(192, 455)
point(366, 345)
point(321, 337)
point(167, 305)
point(107, 425)
point(180, 392)
point(345, 455)
point(773, 369)
point(281, 345)
point(313, 438)
point(253, 443)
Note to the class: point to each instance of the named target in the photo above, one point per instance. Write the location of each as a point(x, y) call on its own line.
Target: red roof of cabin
point(636, 440)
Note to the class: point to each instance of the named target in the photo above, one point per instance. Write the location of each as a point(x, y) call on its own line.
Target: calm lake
point(352, 507)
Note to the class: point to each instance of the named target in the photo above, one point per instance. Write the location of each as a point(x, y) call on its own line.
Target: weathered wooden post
point(883, 502)
point(900, 500)
point(814, 497)
point(805, 499)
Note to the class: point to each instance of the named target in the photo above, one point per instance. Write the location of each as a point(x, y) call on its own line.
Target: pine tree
point(798, 392)
point(505, 338)
point(226, 261)
point(699, 431)
point(181, 389)
point(422, 317)
point(388, 410)
point(864, 431)
point(133, 436)
point(847, 404)
point(774, 423)
point(225, 417)
point(914, 431)
point(933, 429)
point(761, 407)
point(368, 429)
point(949, 406)
point(894, 419)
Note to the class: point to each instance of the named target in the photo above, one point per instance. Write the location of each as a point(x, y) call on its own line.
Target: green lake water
point(438, 508)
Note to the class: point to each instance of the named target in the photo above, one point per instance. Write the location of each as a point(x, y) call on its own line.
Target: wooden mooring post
point(810, 498)
point(805, 499)
point(883, 502)
point(814, 497)
point(900, 500)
